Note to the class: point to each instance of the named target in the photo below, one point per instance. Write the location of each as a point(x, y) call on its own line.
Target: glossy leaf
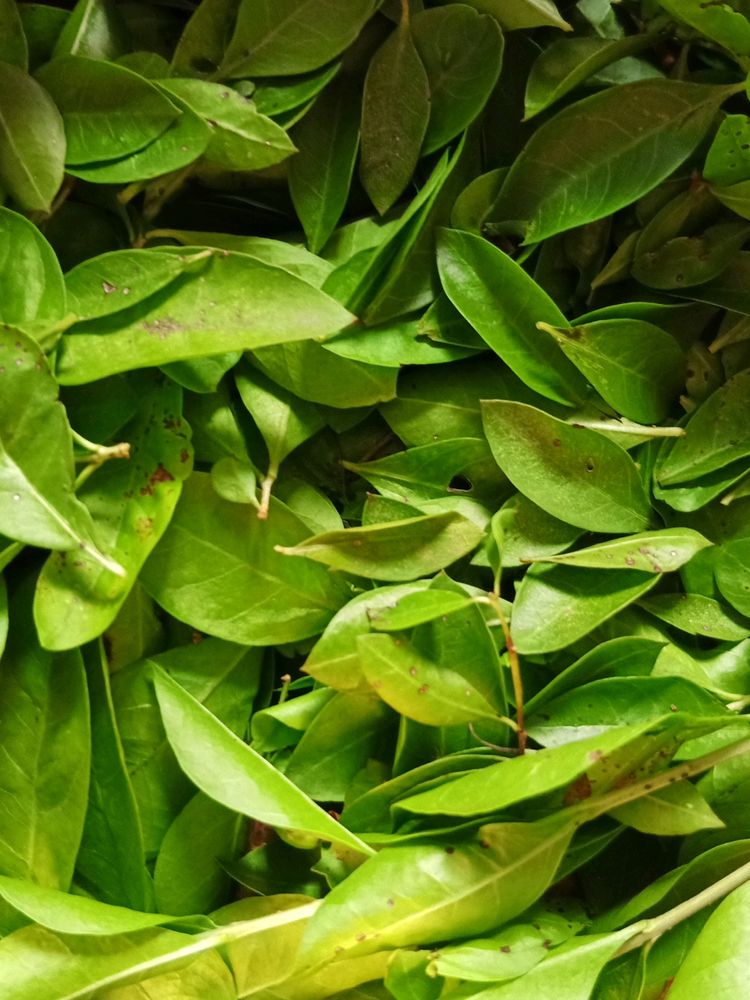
point(206, 312)
point(417, 688)
point(108, 110)
point(650, 552)
point(401, 550)
point(461, 52)
point(395, 116)
point(33, 288)
point(277, 39)
point(697, 615)
point(564, 177)
point(233, 774)
point(32, 140)
point(573, 473)
point(132, 500)
point(636, 367)
point(473, 272)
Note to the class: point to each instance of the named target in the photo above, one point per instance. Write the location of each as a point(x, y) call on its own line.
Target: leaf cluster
point(374, 499)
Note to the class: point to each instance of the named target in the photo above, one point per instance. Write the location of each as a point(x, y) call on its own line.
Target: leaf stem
point(405, 13)
point(265, 494)
point(626, 427)
point(666, 921)
point(515, 669)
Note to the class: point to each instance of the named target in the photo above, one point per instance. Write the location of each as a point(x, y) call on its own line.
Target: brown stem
point(515, 670)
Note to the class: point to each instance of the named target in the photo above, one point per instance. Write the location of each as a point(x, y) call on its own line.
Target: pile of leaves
point(375, 500)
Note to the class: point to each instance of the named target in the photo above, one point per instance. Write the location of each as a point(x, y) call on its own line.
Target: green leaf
point(283, 37)
point(113, 282)
point(569, 973)
point(241, 138)
point(603, 153)
point(674, 811)
point(44, 715)
point(715, 435)
point(33, 286)
point(94, 29)
point(573, 473)
point(697, 615)
point(179, 145)
point(321, 173)
point(727, 160)
point(37, 964)
point(395, 116)
point(32, 140)
point(515, 14)
point(111, 859)
point(636, 367)
point(418, 688)
point(576, 599)
point(721, 22)
point(223, 676)
point(425, 893)
point(207, 311)
point(650, 552)
point(36, 456)
point(108, 110)
point(461, 52)
point(569, 62)
point(205, 37)
point(417, 608)
point(284, 421)
point(132, 501)
point(473, 272)
point(188, 875)
point(210, 542)
point(233, 774)
point(731, 574)
point(3, 614)
point(604, 759)
point(13, 45)
point(715, 960)
point(351, 730)
point(401, 550)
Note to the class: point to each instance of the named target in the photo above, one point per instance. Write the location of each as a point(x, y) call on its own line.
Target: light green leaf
point(418, 688)
point(33, 287)
point(719, 22)
point(205, 37)
point(108, 111)
point(573, 473)
point(32, 140)
point(232, 302)
point(37, 504)
point(44, 716)
point(636, 367)
point(728, 159)
point(715, 435)
point(569, 62)
point(241, 138)
point(283, 37)
point(111, 860)
point(697, 615)
point(395, 115)
point(674, 811)
point(420, 894)
point(188, 875)
point(650, 552)
point(233, 774)
point(602, 154)
point(504, 304)
point(417, 608)
point(515, 14)
point(400, 550)
point(715, 961)
point(216, 567)
point(556, 605)
point(132, 501)
point(732, 575)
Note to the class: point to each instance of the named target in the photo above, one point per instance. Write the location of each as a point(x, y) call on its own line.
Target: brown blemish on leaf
point(159, 475)
point(578, 791)
point(162, 328)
